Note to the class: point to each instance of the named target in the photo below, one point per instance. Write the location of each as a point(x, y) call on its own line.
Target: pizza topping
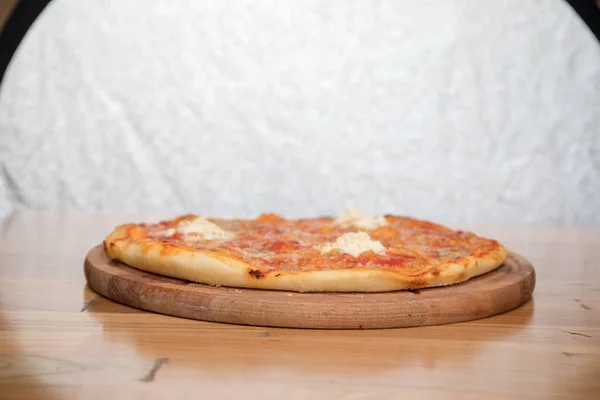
point(281, 246)
point(353, 243)
point(138, 233)
point(201, 227)
point(356, 218)
point(270, 217)
point(273, 243)
point(384, 232)
point(256, 273)
point(166, 233)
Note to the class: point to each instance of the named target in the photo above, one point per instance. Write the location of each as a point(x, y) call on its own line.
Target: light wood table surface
point(59, 340)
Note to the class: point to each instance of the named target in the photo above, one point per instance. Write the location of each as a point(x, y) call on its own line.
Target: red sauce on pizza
point(274, 244)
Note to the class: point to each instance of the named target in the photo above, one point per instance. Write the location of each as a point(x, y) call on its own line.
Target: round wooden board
point(498, 291)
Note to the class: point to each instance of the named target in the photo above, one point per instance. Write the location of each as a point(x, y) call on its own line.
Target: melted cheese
point(353, 243)
point(166, 232)
point(202, 227)
point(356, 218)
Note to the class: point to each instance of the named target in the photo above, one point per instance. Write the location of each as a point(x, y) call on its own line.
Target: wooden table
point(60, 340)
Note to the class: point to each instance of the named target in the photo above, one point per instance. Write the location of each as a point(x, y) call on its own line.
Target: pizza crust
point(213, 268)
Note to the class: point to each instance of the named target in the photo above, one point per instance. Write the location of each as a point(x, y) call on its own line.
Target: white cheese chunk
point(353, 243)
point(356, 218)
point(203, 227)
point(166, 232)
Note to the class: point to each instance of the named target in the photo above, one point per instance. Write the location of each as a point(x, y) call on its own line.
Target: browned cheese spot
point(256, 273)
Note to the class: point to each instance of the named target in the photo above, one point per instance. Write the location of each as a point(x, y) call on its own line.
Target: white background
point(443, 109)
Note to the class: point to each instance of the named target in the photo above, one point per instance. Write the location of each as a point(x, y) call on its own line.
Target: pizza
point(353, 252)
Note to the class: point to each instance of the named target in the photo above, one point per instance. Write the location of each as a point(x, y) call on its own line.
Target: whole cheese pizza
point(354, 252)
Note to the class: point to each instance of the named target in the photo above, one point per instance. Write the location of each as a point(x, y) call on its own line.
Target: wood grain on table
point(60, 340)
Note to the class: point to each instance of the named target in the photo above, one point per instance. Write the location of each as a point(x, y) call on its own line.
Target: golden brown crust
point(132, 244)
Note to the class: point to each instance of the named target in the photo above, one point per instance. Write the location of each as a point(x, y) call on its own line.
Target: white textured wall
point(444, 109)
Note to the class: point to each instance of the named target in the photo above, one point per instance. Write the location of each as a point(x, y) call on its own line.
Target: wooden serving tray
point(498, 291)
